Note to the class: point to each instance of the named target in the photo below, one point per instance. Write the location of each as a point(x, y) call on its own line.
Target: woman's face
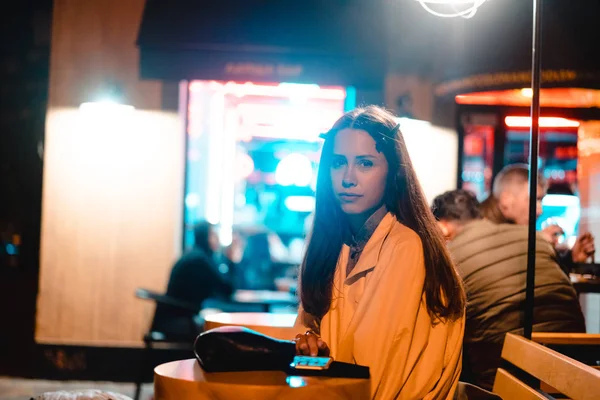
point(358, 171)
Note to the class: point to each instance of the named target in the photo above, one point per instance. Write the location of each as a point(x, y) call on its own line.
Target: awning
point(332, 42)
point(493, 49)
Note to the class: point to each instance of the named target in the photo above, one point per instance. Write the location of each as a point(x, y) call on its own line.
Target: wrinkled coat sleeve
point(305, 321)
point(299, 326)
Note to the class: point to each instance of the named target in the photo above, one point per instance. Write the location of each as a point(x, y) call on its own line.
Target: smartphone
point(312, 363)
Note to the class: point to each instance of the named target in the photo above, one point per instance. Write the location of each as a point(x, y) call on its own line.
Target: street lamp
point(467, 9)
point(451, 8)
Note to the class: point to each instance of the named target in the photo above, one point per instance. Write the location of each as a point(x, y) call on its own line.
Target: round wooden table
point(278, 326)
point(585, 284)
point(265, 298)
point(185, 380)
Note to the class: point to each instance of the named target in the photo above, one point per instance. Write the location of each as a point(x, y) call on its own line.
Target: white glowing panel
point(286, 121)
point(434, 153)
point(564, 210)
point(294, 169)
point(105, 108)
point(112, 200)
point(224, 116)
point(300, 203)
point(215, 157)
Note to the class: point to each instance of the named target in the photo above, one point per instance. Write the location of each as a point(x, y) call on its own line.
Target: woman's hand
point(311, 344)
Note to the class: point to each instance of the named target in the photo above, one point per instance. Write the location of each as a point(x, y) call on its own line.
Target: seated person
point(509, 203)
point(255, 271)
point(194, 278)
point(489, 210)
point(377, 284)
point(492, 260)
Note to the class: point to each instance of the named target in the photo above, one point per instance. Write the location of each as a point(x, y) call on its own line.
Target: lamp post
point(467, 9)
point(534, 141)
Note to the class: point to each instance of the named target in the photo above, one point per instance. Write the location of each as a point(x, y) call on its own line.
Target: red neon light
point(545, 122)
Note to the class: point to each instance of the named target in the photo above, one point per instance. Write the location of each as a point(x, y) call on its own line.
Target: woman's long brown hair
point(404, 198)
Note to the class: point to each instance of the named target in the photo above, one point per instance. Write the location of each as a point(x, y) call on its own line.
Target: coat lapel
point(367, 262)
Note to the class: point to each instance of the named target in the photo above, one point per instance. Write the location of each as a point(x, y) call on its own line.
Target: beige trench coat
point(378, 317)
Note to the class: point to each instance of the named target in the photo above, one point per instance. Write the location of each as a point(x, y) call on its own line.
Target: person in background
point(510, 203)
point(492, 260)
point(194, 278)
point(490, 210)
point(377, 285)
point(255, 270)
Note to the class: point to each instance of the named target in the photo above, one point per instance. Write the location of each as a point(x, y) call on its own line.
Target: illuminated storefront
point(253, 152)
point(483, 89)
point(259, 87)
point(494, 128)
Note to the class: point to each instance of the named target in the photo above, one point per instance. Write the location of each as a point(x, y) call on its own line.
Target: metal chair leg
point(143, 364)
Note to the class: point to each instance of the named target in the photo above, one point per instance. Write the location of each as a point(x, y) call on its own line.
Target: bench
point(528, 365)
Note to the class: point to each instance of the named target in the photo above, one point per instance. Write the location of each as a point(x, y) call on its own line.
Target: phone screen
point(314, 363)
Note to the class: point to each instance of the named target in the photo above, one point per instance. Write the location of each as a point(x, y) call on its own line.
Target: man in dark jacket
point(492, 260)
point(194, 278)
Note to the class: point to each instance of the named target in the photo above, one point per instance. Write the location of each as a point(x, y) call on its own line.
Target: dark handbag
point(235, 349)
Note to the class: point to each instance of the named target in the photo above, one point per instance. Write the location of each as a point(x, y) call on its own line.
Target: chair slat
point(570, 377)
point(566, 338)
point(509, 387)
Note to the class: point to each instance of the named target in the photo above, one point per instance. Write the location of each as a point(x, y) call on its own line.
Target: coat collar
point(370, 254)
point(361, 238)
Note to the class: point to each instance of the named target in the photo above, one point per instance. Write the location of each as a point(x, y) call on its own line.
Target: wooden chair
point(583, 347)
point(156, 339)
point(579, 339)
point(529, 364)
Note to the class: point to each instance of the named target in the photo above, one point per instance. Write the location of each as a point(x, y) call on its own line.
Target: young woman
point(377, 286)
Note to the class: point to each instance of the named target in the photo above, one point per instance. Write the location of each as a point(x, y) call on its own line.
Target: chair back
point(167, 301)
point(529, 364)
